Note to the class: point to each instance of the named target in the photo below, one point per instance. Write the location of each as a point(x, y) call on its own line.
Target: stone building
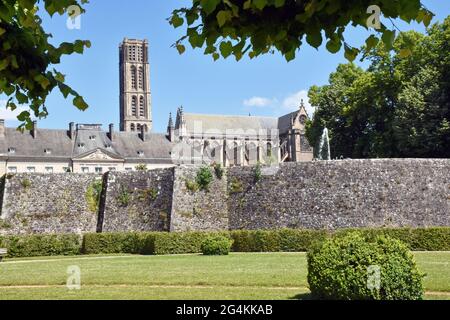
point(193, 138)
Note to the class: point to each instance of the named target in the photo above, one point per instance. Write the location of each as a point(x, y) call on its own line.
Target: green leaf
point(290, 55)
point(388, 38)
point(334, 45)
point(4, 64)
point(181, 49)
point(65, 89)
point(371, 42)
point(260, 4)
point(223, 16)
point(79, 102)
point(209, 5)
point(351, 53)
point(428, 16)
point(21, 98)
point(23, 116)
point(176, 21)
point(314, 39)
point(226, 48)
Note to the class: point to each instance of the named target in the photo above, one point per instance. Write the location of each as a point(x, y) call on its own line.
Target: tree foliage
point(256, 27)
point(398, 107)
point(27, 75)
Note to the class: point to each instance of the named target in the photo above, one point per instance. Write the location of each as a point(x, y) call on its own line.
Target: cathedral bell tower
point(135, 96)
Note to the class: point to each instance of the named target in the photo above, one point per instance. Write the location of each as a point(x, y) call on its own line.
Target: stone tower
point(135, 96)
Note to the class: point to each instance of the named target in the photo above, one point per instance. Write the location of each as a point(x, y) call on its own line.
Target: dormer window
point(108, 146)
point(92, 138)
point(140, 153)
point(81, 145)
point(48, 151)
point(12, 150)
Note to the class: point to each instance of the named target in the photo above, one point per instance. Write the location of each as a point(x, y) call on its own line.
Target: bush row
point(42, 245)
point(284, 240)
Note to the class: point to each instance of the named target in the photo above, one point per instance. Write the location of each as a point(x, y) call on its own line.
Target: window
point(134, 106)
point(66, 169)
point(140, 55)
point(133, 127)
point(112, 169)
point(138, 127)
point(81, 145)
point(269, 150)
point(235, 154)
point(48, 151)
point(140, 153)
point(132, 53)
point(141, 78)
point(31, 169)
point(98, 170)
point(11, 150)
point(85, 169)
point(133, 77)
point(49, 169)
point(92, 138)
point(108, 146)
point(142, 107)
point(12, 169)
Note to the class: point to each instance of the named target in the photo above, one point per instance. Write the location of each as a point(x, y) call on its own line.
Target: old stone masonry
point(311, 195)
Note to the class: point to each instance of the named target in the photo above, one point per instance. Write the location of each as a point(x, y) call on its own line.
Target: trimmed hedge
point(180, 243)
point(41, 245)
point(119, 242)
point(284, 240)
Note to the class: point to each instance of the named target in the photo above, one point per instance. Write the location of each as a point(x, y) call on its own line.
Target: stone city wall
point(312, 195)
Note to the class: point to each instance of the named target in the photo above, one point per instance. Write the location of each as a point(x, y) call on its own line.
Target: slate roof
point(221, 123)
point(284, 122)
point(156, 148)
point(25, 145)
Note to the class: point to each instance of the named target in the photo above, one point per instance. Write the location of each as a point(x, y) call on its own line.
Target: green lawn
point(238, 276)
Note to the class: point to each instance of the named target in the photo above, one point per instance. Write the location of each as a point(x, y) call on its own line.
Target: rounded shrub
point(216, 246)
point(352, 267)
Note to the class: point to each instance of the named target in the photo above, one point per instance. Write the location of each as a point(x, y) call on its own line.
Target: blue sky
point(264, 86)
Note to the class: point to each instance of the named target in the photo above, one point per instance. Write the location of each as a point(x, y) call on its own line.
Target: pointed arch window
point(141, 106)
point(269, 150)
point(133, 77)
point(141, 78)
point(235, 154)
point(133, 127)
point(134, 106)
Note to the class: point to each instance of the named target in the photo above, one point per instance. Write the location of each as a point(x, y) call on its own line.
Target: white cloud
point(292, 102)
point(259, 102)
point(8, 114)
point(283, 106)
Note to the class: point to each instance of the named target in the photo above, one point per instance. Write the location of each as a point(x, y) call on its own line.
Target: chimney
point(111, 131)
point(2, 128)
point(34, 130)
point(143, 133)
point(72, 130)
